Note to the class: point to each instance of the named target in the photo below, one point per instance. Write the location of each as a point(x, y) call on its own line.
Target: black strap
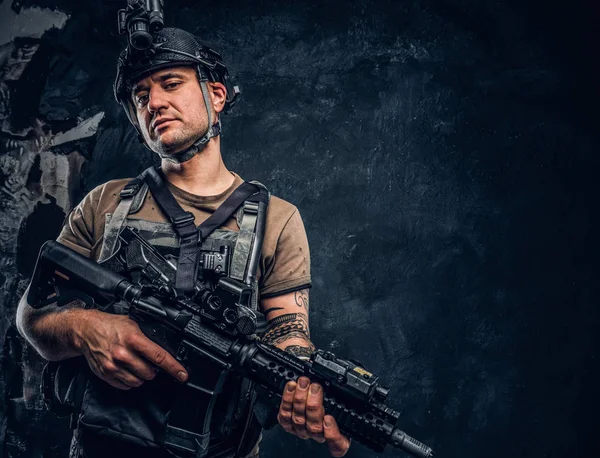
point(242, 193)
point(183, 223)
point(134, 185)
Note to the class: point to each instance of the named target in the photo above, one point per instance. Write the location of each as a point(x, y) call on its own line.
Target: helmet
point(173, 47)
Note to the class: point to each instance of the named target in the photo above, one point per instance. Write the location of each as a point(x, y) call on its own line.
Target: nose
point(157, 99)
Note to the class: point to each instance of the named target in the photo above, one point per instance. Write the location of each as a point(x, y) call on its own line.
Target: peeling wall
point(40, 179)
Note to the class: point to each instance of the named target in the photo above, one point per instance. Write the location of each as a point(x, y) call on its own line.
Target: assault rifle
point(212, 328)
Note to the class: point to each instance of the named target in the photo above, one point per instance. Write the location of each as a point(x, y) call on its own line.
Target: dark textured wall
point(443, 155)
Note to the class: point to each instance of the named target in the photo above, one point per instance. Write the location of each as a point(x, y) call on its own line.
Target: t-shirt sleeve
point(78, 230)
point(289, 267)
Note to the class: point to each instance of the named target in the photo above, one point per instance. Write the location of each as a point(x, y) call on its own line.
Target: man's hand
point(302, 414)
point(119, 353)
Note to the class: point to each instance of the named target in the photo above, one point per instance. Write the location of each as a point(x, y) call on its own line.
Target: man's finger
point(287, 398)
point(117, 384)
point(140, 367)
point(284, 417)
point(315, 412)
point(161, 357)
point(102, 374)
point(143, 371)
point(337, 443)
point(299, 408)
point(128, 378)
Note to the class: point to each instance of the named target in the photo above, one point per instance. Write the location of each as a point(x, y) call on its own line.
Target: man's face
point(170, 109)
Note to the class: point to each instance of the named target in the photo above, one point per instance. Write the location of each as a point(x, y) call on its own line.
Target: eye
point(172, 85)
point(141, 100)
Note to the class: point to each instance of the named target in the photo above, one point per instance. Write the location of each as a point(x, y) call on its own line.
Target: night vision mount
point(139, 20)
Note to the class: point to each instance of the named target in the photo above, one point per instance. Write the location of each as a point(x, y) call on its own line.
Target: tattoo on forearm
point(282, 319)
point(301, 298)
point(272, 309)
point(296, 335)
point(299, 351)
point(285, 329)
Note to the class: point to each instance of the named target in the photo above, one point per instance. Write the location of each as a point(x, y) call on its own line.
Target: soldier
point(175, 96)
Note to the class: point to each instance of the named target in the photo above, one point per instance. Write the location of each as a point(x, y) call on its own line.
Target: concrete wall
point(442, 154)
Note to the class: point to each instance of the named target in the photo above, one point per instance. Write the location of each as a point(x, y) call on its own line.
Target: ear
point(219, 95)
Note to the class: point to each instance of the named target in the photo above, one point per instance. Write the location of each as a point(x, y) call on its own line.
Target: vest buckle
point(129, 191)
point(251, 207)
point(183, 219)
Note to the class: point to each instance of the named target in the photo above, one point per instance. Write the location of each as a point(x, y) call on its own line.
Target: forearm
point(52, 331)
point(301, 347)
point(290, 331)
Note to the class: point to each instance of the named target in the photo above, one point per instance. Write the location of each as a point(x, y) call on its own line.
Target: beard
point(175, 138)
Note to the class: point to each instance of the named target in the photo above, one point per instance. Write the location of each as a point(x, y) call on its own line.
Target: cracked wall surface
point(38, 184)
point(443, 156)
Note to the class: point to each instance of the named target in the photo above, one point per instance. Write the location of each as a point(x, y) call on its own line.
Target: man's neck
point(204, 174)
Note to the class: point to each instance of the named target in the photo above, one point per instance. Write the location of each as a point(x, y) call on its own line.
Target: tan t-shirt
point(285, 260)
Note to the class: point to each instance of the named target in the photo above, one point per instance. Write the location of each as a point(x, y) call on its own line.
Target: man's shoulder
point(103, 198)
point(279, 209)
point(280, 212)
point(112, 186)
point(281, 206)
point(109, 189)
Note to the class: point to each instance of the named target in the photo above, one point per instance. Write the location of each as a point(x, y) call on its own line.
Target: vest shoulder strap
point(251, 233)
point(132, 197)
point(183, 223)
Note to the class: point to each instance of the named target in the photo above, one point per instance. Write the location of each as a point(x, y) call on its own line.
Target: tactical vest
point(154, 414)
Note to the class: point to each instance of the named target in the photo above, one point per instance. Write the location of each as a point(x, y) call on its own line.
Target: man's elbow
point(22, 318)
point(25, 322)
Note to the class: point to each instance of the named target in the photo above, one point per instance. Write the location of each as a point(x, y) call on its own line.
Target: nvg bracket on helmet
point(139, 19)
point(151, 48)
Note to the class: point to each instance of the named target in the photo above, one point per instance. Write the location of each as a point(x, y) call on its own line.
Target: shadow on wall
point(44, 223)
